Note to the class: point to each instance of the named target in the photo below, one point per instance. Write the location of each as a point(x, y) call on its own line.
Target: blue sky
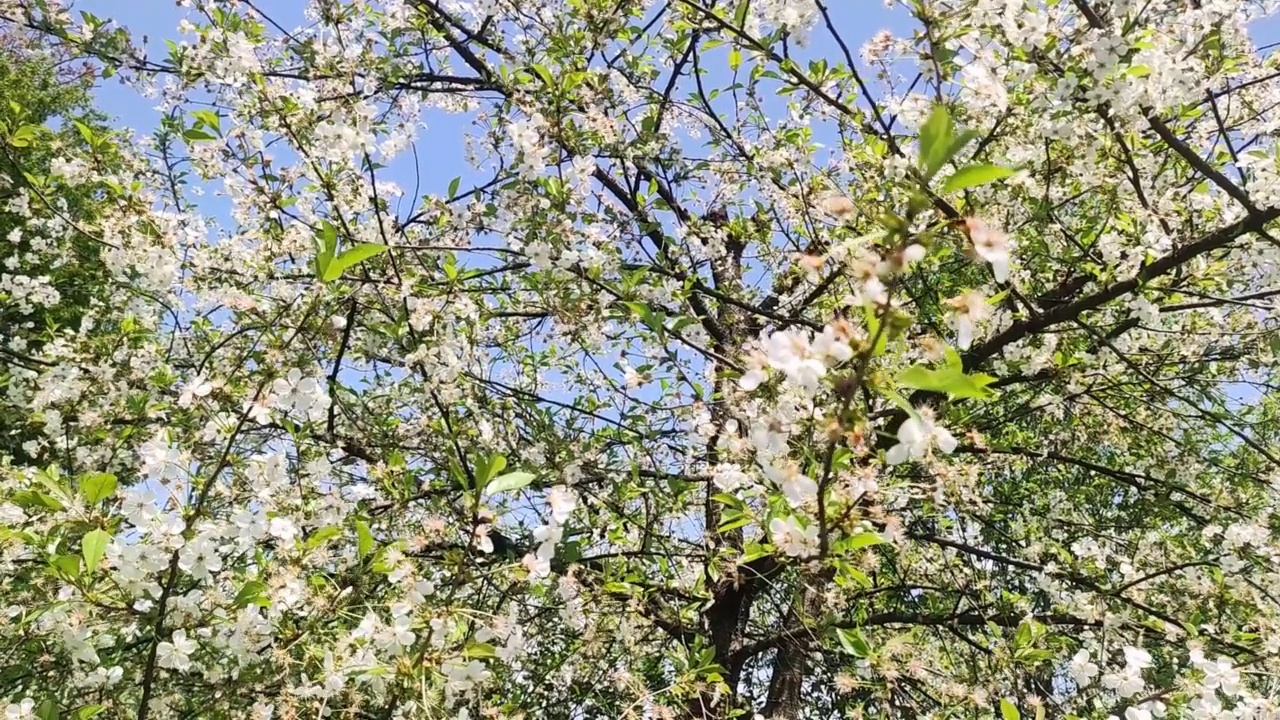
point(158, 20)
point(440, 146)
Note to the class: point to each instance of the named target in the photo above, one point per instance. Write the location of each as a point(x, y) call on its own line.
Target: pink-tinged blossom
point(562, 501)
point(991, 245)
point(968, 310)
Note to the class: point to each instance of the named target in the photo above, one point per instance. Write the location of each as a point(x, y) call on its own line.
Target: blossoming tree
point(47, 284)
point(746, 374)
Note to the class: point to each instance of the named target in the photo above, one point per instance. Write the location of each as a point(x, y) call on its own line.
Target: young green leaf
point(480, 650)
point(69, 564)
point(93, 546)
point(23, 136)
point(364, 539)
point(975, 175)
point(487, 468)
point(510, 481)
point(853, 642)
point(209, 118)
point(86, 132)
point(197, 135)
point(1009, 711)
point(326, 246)
point(950, 380)
point(323, 535)
point(250, 593)
point(96, 487)
point(350, 258)
point(935, 141)
point(866, 539)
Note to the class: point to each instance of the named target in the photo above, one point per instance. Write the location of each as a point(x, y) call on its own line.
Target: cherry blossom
point(917, 435)
point(488, 359)
point(991, 245)
point(793, 538)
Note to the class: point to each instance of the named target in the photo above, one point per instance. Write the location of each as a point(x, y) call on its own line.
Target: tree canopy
point(750, 371)
point(53, 267)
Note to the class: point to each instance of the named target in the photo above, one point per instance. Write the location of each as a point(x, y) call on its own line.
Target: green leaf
point(479, 650)
point(93, 546)
point(51, 479)
point(364, 539)
point(735, 59)
point(86, 132)
point(88, 711)
point(486, 469)
point(755, 551)
point(23, 136)
point(847, 575)
point(873, 331)
point(866, 539)
point(570, 552)
point(544, 73)
point(1009, 711)
point(1023, 636)
point(250, 594)
point(96, 487)
point(935, 141)
point(510, 481)
point(897, 399)
point(48, 710)
point(730, 500)
point(953, 359)
point(455, 471)
point(733, 520)
point(69, 564)
point(209, 118)
point(34, 499)
point(975, 175)
point(323, 535)
point(853, 642)
point(326, 246)
point(740, 15)
point(453, 187)
point(354, 256)
point(197, 135)
point(950, 380)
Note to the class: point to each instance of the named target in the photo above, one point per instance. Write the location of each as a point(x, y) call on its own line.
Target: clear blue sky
point(440, 145)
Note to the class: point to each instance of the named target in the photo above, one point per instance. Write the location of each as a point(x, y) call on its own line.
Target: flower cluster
point(800, 356)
